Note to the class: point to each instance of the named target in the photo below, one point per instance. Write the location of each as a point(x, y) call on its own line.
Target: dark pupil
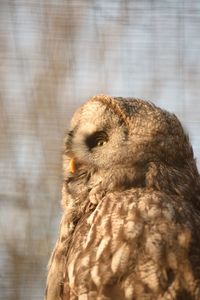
point(96, 139)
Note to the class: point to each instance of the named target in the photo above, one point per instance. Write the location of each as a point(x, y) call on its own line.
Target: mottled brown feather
point(131, 208)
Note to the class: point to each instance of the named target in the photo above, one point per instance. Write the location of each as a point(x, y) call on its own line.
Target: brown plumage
point(131, 206)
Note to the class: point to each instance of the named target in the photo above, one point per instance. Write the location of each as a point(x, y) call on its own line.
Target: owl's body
point(131, 200)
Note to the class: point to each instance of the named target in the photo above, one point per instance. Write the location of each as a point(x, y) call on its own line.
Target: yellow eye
point(101, 143)
point(97, 139)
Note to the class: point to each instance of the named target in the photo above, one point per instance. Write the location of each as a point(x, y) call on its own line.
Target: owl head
point(124, 136)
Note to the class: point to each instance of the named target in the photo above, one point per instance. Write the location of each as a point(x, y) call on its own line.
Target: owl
point(131, 206)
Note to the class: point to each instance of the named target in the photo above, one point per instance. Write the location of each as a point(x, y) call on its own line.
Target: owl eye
point(101, 143)
point(97, 139)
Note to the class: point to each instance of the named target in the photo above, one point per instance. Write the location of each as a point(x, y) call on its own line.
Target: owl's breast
point(131, 236)
point(101, 249)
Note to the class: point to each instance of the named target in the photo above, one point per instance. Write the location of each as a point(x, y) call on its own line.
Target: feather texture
point(131, 207)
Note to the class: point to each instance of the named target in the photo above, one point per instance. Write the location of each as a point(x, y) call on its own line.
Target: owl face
point(98, 137)
point(110, 133)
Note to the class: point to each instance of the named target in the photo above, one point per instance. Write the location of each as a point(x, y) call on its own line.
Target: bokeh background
point(55, 54)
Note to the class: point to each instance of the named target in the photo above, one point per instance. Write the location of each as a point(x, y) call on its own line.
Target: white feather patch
point(129, 292)
point(90, 236)
point(120, 258)
point(102, 246)
point(83, 297)
point(85, 261)
point(95, 275)
point(91, 218)
point(71, 274)
point(130, 230)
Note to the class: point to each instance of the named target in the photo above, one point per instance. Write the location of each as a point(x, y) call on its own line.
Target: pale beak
point(72, 166)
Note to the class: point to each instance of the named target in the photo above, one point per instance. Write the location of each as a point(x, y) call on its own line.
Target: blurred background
point(55, 54)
